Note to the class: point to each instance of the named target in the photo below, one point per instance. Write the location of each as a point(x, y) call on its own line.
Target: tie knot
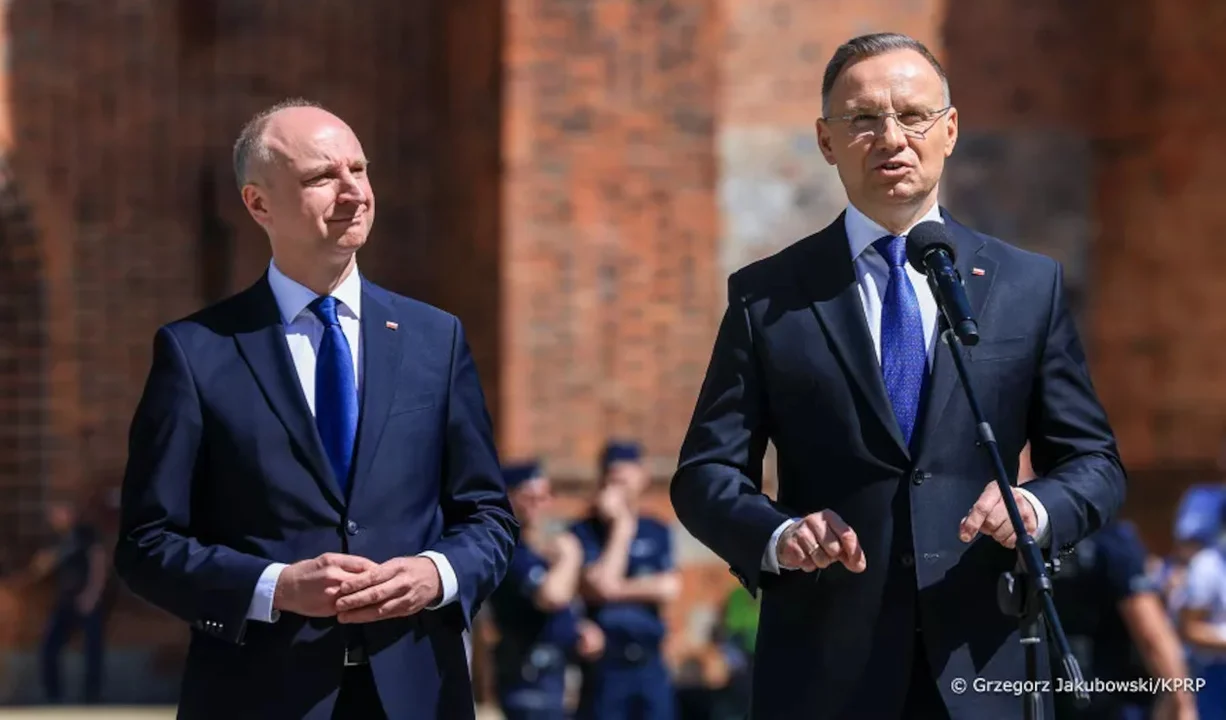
point(324, 308)
point(894, 249)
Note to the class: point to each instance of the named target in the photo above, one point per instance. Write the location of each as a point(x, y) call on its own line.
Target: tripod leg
point(1032, 634)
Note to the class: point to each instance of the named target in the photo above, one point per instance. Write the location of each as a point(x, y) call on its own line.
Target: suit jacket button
point(351, 527)
point(919, 476)
point(907, 559)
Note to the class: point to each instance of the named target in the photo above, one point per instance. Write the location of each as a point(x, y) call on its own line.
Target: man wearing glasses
point(879, 559)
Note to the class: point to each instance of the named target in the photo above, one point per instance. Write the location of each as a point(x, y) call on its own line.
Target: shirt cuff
point(261, 601)
point(770, 558)
point(446, 575)
point(1042, 536)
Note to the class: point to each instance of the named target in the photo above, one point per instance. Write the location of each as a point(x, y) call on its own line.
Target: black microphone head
point(926, 237)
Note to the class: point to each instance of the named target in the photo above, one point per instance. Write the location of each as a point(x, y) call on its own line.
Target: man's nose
point(890, 134)
point(351, 190)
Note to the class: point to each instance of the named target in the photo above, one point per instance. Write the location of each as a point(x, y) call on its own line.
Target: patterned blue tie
point(904, 358)
point(336, 395)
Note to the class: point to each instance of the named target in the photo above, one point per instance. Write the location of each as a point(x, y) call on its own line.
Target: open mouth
point(891, 166)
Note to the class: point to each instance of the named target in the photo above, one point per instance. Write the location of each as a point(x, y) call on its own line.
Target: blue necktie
point(336, 395)
point(904, 358)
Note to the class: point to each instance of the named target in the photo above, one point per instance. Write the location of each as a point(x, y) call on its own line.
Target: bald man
point(312, 483)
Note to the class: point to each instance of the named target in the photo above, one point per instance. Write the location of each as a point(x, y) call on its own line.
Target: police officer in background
point(1120, 630)
point(535, 607)
point(628, 577)
point(1201, 611)
point(1198, 525)
point(78, 561)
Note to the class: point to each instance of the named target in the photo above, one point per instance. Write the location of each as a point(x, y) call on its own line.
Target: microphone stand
point(1026, 591)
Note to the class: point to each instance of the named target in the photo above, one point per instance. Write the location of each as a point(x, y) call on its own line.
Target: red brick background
point(610, 227)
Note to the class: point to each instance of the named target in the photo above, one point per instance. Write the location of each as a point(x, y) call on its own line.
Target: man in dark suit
point(879, 558)
point(312, 483)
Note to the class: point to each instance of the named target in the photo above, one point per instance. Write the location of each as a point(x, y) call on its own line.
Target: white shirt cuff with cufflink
point(265, 588)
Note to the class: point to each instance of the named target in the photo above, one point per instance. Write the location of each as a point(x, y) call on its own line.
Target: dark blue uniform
point(535, 646)
point(1106, 568)
point(630, 680)
point(72, 577)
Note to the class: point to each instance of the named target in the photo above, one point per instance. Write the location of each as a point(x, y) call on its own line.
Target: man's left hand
point(990, 516)
point(398, 588)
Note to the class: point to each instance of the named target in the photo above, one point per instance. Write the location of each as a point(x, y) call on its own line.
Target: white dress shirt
point(872, 276)
point(303, 333)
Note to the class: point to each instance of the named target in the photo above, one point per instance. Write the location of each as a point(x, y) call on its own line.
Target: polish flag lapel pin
point(391, 325)
point(978, 272)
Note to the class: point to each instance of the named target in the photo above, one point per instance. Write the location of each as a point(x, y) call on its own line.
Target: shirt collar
point(862, 232)
point(293, 298)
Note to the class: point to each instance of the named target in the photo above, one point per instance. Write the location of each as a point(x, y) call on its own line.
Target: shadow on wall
point(1023, 169)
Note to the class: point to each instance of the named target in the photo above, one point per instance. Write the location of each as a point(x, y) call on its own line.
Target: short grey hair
point(250, 150)
point(867, 46)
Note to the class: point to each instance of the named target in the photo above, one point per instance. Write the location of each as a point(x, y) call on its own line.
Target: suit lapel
point(266, 353)
point(830, 278)
point(381, 350)
point(944, 378)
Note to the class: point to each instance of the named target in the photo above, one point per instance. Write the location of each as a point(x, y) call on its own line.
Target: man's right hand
point(310, 587)
point(564, 548)
point(817, 541)
point(590, 644)
point(611, 505)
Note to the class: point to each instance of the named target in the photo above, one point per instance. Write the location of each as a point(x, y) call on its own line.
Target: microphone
point(930, 250)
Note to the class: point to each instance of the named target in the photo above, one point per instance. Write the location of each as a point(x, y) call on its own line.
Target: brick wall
point(610, 225)
point(1158, 325)
point(23, 370)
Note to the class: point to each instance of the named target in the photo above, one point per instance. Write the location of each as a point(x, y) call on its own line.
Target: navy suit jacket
point(794, 364)
point(226, 473)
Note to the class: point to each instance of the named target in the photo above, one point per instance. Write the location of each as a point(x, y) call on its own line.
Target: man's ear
point(256, 202)
point(824, 138)
point(951, 129)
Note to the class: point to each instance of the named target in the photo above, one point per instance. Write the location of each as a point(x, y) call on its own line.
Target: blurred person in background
point(78, 561)
point(738, 633)
point(1200, 606)
point(627, 580)
point(1118, 625)
point(1198, 524)
point(539, 626)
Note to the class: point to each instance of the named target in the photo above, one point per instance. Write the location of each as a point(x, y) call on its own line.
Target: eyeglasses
point(913, 123)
